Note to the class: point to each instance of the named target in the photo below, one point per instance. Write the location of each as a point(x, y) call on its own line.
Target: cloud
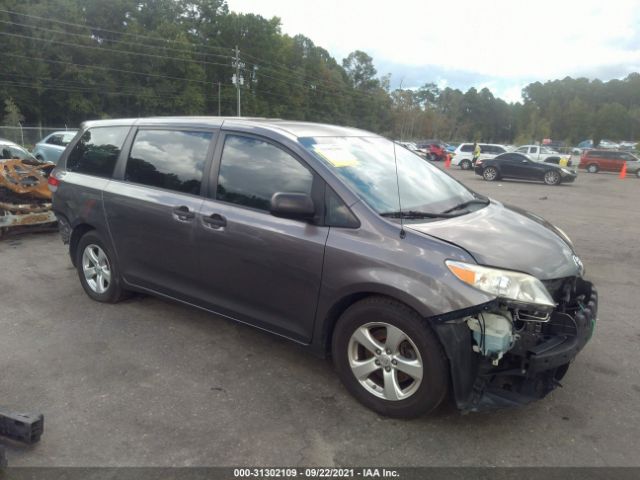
point(460, 41)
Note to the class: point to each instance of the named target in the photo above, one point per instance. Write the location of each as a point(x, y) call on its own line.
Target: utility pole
point(237, 79)
point(218, 98)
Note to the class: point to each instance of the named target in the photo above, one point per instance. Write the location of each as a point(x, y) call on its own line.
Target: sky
point(501, 44)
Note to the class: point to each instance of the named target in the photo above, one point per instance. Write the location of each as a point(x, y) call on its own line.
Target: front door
point(256, 267)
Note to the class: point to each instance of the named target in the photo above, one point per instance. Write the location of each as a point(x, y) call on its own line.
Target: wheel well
point(76, 235)
point(336, 311)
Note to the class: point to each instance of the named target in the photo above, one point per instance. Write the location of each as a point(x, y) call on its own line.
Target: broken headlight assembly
point(515, 287)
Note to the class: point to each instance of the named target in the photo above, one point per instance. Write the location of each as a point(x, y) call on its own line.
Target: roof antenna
point(395, 159)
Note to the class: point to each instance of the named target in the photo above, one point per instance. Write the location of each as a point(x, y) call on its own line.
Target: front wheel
point(465, 164)
point(593, 168)
point(490, 174)
point(97, 269)
point(389, 358)
point(552, 177)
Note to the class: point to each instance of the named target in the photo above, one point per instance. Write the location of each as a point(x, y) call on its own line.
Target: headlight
point(505, 284)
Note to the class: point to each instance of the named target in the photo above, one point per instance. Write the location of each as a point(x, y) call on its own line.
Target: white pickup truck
point(542, 154)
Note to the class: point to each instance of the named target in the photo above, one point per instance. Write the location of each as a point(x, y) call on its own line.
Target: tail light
point(53, 182)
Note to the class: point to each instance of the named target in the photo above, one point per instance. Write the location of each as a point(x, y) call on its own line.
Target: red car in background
point(594, 161)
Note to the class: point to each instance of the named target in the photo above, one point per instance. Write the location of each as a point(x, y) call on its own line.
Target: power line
point(326, 82)
point(122, 42)
point(71, 24)
point(95, 47)
point(100, 67)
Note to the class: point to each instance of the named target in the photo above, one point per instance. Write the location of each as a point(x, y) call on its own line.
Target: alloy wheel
point(385, 361)
point(490, 173)
point(551, 177)
point(96, 268)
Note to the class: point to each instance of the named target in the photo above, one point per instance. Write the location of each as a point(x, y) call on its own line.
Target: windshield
point(367, 165)
point(8, 152)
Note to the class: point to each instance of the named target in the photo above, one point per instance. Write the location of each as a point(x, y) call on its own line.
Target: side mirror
point(298, 206)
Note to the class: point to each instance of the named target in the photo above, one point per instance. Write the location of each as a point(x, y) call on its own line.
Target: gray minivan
point(334, 238)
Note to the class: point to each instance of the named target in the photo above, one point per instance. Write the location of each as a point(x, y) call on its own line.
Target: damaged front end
point(507, 353)
point(25, 198)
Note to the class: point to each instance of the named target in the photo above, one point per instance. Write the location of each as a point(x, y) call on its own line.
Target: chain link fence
point(27, 136)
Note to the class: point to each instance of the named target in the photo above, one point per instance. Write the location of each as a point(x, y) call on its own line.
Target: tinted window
point(466, 148)
point(171, 159)
point(252, 170)
point(97, 151)
point(511, 156)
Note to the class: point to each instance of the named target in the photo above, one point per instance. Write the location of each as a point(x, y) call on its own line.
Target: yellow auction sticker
point(336, 155)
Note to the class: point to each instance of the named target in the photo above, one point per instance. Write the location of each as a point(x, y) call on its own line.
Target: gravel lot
point(150, 382)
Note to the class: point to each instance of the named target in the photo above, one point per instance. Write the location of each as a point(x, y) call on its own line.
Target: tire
point(465, 164)
point(105, 285)
point(593, 168)
point(417, 350)
point(552, 177)
point(490, 174)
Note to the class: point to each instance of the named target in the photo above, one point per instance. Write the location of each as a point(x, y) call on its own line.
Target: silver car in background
point(51, 147)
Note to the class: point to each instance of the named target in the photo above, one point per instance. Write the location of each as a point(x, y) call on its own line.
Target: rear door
point(151, 207)
point(258, 268)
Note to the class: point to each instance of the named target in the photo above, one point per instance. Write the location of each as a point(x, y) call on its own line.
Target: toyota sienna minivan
point(337, 239)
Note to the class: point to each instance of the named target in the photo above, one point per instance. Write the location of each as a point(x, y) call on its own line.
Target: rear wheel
point(593, 168)
point(97, 269)
point(465, 164)
point(389, 358)
point(551, 177)
point(490, 174)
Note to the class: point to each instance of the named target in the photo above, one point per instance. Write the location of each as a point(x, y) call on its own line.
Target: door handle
point(215, 220)
point(183, 213)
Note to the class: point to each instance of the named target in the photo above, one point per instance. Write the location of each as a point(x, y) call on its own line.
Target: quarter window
point(252, 170)
point(171, 159)
point(97, 151)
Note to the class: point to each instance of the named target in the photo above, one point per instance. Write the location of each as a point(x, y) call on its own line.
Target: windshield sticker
point(336, 155)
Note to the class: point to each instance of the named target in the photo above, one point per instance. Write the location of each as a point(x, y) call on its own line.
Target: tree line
point(66, 61)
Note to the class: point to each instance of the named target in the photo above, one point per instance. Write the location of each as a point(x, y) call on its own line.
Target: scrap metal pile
point(25, 198)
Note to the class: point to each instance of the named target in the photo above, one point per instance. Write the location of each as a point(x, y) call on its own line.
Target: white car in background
point(543, 154)
point(463, 154)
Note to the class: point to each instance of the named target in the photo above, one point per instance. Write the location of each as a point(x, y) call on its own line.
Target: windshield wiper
point(414, 214)
point(475, 201)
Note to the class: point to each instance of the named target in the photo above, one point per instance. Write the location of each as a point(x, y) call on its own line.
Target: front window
point(366, 164)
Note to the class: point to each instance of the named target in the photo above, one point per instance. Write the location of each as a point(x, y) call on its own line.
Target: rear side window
point(97, 151)
point(170, 159)
point(467, 147)
point(252, 170)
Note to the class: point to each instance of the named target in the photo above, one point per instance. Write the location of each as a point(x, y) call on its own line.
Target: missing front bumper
point(532, 368)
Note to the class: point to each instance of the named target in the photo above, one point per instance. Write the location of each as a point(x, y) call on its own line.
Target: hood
point(509, 238)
